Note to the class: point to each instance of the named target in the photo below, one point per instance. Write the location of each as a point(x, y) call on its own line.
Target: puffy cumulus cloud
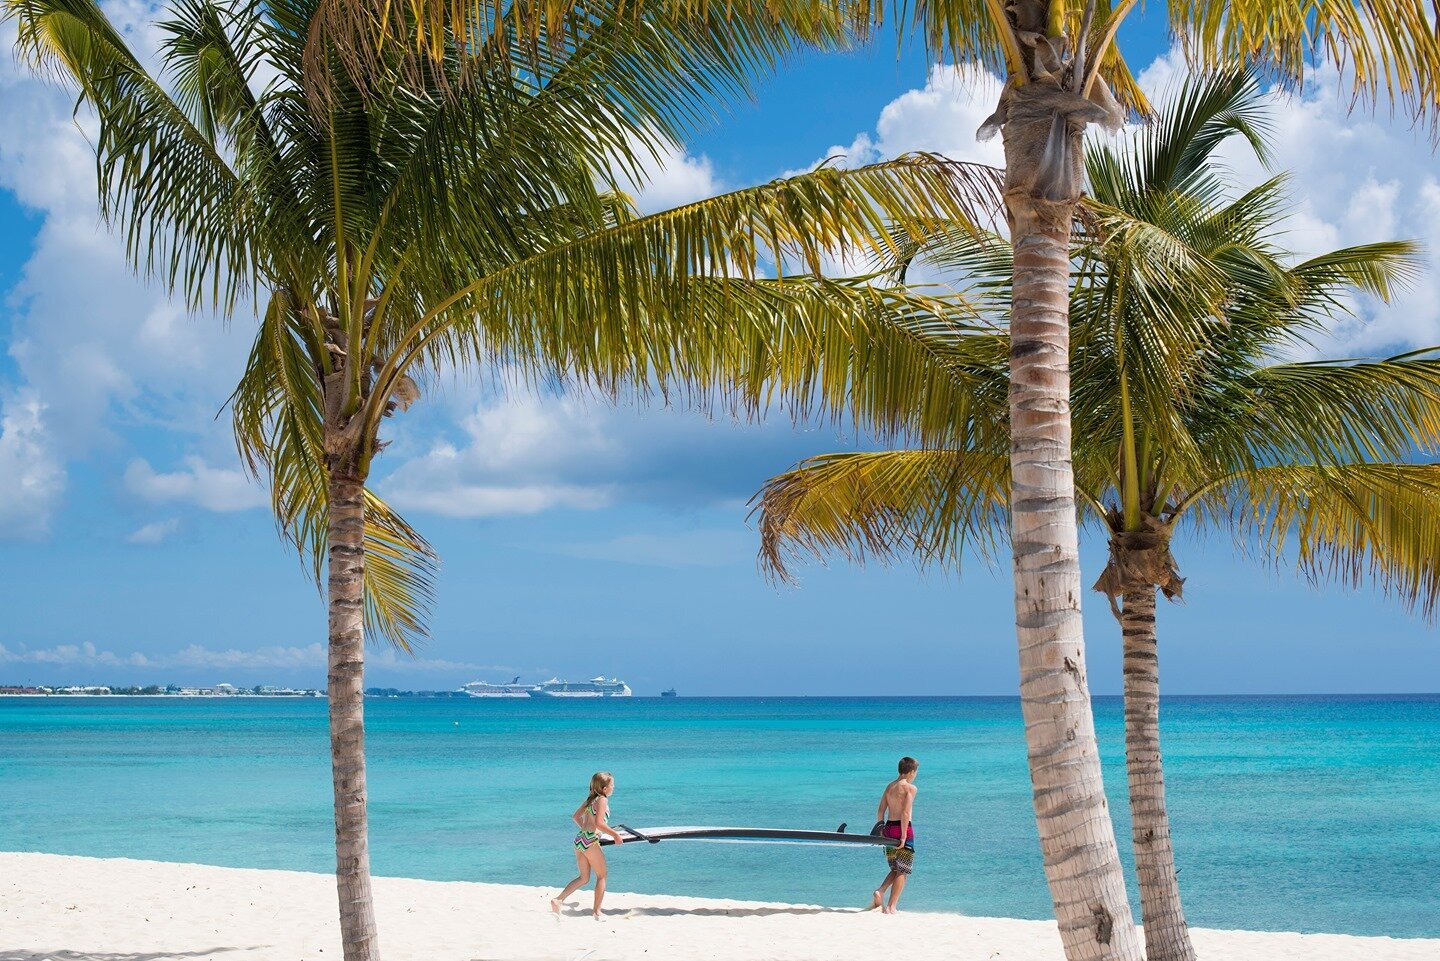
point(518, 457)
point(98, 351)
point(213, 488)
point(524, 454)
point(672, 178)
point(940, 117)
point(32, 478)
point(156, 532)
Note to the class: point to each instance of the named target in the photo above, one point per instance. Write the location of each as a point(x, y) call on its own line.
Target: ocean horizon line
point(421, 695)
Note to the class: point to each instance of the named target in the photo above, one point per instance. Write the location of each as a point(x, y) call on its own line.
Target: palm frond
point(185, 215)
point(400, 569)
point(664, 298)
point(726, 45)
point(277, 412)
point(930, 505)
point(1351, 523)
point(1341, 411)
point(1174, 154)
point(1382, 47)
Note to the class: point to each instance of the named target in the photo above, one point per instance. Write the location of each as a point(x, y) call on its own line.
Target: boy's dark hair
point(908, 764)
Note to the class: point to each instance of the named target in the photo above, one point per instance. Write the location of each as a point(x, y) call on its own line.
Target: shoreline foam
point(82, 908)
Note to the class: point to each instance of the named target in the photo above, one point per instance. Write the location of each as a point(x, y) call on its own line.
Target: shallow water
point(1291, 813)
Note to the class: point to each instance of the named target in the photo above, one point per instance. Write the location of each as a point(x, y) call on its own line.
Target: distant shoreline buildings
point(595, 687)
point(156, 690)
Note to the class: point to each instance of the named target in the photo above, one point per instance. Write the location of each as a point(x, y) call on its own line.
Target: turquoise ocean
point(1289, 813)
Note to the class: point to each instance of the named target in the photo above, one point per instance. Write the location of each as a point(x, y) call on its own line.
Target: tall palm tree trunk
point(1167, 937)
point(1077, 838)
point(347, 716)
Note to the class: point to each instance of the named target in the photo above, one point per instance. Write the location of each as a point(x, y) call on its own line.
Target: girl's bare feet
point(555, 906)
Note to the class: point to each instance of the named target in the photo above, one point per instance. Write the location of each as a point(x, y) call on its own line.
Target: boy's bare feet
point(877, 900)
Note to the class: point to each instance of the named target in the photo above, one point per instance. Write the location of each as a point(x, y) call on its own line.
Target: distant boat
point(486, 689)
point(669, 693)
point(595, 687)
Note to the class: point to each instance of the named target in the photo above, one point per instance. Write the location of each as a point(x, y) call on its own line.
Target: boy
point(896, 807)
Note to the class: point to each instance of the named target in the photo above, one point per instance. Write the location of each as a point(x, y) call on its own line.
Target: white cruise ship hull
point(487, 689)
point(540, 692)
point(595, 687)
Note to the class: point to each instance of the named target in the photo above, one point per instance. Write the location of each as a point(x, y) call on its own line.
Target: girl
point(591, 818)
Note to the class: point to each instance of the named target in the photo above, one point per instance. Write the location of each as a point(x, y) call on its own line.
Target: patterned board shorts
point(901, 860)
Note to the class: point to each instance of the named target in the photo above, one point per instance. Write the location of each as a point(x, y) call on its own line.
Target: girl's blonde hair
point(599, 781)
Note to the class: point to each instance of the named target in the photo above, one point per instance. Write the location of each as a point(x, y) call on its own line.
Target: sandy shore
point(90, 909)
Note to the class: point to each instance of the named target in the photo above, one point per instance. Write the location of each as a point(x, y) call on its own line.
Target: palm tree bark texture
point(346, 689)
point(1166, 934)
point(1043, 126)
point(345, 538)
point(1141, 564)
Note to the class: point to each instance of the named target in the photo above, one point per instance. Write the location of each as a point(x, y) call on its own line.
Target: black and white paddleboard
point(656, 835)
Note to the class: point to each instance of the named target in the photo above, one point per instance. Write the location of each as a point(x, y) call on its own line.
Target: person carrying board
point(893, 820)
point(592, 820)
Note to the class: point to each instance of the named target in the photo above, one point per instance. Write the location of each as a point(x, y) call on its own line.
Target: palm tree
point(1064, 71)
point(459, 211)
point(1181, 306)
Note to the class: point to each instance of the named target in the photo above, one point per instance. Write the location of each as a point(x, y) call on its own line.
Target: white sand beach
point(92, 909)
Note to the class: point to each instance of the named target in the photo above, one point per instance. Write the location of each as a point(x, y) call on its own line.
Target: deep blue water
point(1293, 813)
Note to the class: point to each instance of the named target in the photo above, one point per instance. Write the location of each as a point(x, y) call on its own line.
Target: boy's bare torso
point(899, 796)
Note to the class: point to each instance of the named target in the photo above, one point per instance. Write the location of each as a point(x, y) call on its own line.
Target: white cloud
point(65, 654)
point(940, 117)
point(526, 454)
point(275, 657)
point(465, 499)
point(514, 462)
point(196, 655)
point(32, 479)
point(215, 489)
point(672, 180)
point(155, 532)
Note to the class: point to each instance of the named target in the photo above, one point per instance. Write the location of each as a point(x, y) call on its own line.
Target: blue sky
point(576, 538)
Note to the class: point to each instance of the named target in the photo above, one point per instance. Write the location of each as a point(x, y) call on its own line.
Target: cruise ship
point(486, 689)
point(595, 687)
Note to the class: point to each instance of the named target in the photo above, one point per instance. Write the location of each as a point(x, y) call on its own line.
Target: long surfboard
point(656, 835)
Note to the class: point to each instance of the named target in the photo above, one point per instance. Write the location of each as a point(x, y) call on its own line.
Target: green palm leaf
point(1379, 46)
point(932, 504)
point(1354, 524)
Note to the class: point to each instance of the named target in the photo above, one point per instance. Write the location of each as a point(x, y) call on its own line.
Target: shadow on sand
point(27, 955)
point(614, 914)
